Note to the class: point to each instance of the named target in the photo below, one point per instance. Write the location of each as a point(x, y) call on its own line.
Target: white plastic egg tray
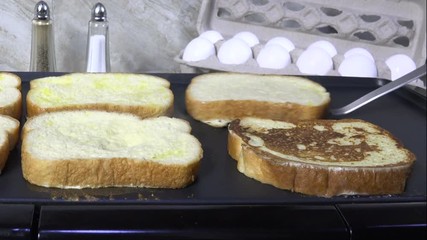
point(383, 27)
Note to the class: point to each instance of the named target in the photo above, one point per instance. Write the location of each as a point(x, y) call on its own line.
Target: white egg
point(234, 51)
point(399, 65)
point(282, 41)
point(198, 49)
point(273, 56)
point(212, 35)
point(315, 61)
point(358, 66)
point(325, 45)
point(359, 51)
point(250, 38)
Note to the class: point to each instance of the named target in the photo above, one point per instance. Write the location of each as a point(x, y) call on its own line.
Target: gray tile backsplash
point(145, 35)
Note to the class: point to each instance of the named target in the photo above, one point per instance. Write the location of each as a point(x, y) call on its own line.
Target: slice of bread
point(320, 157)
point(10, 95)
point(218, 98)
point(9, 134)
point(92, 149)
point(143, 95)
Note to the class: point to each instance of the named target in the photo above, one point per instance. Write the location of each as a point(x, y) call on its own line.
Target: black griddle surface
point(218, 180)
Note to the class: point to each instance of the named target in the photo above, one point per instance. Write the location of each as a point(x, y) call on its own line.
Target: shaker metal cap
point(99, 13)
point(42, 11)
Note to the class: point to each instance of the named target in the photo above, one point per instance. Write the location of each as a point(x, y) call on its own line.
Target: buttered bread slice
point(218, 98)
point(143, 95)
point(92, 149)
point(9, 134)
point(320, 157)
point(10, 95)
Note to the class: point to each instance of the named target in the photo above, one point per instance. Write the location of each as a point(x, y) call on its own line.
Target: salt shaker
point(42, 41)
point(98, 53)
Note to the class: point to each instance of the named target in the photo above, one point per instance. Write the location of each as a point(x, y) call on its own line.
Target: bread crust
point(4, 152)
point(14, 109)
point(96, 173)
point(141, 111)
point(227, 110)
point(13, 135)
point(318, 180)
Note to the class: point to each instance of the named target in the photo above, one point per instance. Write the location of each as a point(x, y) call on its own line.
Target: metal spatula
point(381, 91)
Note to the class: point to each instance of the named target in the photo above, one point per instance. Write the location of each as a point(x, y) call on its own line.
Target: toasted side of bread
point(9, 135)
point(4, 149)
point(10, 95)
point(92, 149)
point(218, 98)
point(143, 95)
point(321, 157)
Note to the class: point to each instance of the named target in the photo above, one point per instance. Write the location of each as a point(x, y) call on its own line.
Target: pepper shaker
point(42, 41)
point(98, 53)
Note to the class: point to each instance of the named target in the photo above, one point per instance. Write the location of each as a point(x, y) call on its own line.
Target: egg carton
point(383, 27)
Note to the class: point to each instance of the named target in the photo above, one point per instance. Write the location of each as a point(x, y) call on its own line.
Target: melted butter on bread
point(112, 135)
point(91, 149)
point(140, 94)
point(100, 88)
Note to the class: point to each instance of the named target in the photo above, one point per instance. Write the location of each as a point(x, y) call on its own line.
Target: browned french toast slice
point(320, 157)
